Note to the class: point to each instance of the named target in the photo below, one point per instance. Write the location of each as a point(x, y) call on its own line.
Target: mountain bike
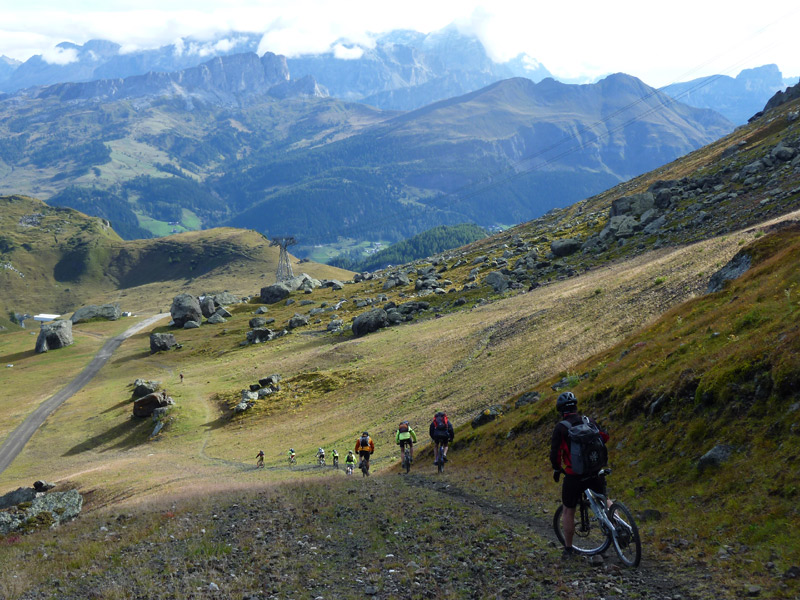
point(438, 454)
point(364, 466)
point(335, 462)
point(321, 461)
point(406, 464)
point(597, 527)
point(292, 460)
point(348, 469)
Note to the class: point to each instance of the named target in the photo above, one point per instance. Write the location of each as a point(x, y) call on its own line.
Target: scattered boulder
point(332, 283)
point(396, 279)
point(223, 312)
point(191, 325)
point(54, 335)
point(109, 312)
point(45, 510)
point(715, 457)
point(275, 293)
point(565, 247)
point(497, 280)
point(216, 319)
point(335, 325)
point(142, 387)
point(370, 321)
point(226, 298)
point(261, 310)
point(144, 407)
point(257, 322)
point(298, 321)
point(17, 496)
point(635, 205)
point(161, 341)
point(734, 269)
point(269, 380)
point(527, 398)
point(207, 306)
point(487, 416)
point(185, 307)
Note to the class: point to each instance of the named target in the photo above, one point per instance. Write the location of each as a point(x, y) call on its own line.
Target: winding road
point(17, 439)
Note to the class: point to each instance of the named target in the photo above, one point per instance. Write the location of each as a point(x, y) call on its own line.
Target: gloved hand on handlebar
point(556, 475)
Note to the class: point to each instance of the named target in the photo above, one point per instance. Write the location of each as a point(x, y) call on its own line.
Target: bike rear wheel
point(625, 536)
point(407, 461)
point(589, 537)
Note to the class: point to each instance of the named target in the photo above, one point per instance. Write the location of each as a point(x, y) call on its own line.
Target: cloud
point(60, 56)
point(345, 53)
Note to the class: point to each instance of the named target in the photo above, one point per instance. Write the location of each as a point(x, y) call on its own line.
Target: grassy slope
point(69, 260)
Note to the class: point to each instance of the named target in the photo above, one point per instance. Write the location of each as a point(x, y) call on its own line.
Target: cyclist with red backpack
point(364, 448)
point(579, 443)
point(441, 432)
point(406, 435)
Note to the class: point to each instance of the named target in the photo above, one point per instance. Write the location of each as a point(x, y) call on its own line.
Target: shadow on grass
point(130, 434)
point(16, 357)
point(123, 404)
point(125, 359)
point(217, 423)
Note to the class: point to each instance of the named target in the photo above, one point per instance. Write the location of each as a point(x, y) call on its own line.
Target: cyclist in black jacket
point(574, 485)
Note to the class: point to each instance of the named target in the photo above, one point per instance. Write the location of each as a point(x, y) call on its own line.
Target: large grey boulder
point(396, 279)
point(17, 496)
point(259, 335)
point(226, 298)
point(565, 247)
point(191, 325)
point(734, 269)
point(257, 322)
point(370, 321)
point(216, 319)
point(497, 280)
point(715, 457)
point(142, 387)
point(47, 510)
point(144, 406)
point(109, 312)
point(54, 335)
point(275, 293)
point(207, 306)
point(185, 307)
point(302, 281)
point(161, 341)
point(298, 321)
point(635, 205)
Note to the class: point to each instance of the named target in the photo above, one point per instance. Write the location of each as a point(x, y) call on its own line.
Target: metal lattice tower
point(284, 266)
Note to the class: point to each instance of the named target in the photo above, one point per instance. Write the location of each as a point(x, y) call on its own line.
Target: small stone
point(213, 587)
point(597, 560)
point(753, 590)
point(371, 590)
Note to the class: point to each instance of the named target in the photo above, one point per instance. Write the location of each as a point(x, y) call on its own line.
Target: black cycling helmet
point(567, 402)
point(365, 433)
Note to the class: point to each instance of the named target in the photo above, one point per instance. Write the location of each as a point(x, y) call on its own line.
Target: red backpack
point(403, 428)
point(440, 422)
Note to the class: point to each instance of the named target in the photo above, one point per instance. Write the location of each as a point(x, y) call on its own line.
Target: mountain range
point(737, 98)
point(236, 141)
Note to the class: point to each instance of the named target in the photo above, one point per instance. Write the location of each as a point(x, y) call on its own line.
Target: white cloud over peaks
point(347, 53)
point(60, 56)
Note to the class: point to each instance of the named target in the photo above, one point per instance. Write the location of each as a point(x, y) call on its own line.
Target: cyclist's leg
point(570, 496)
point(411, 450)
point(444, 450)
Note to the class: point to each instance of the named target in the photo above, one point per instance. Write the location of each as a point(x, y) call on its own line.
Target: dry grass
point(460, 362)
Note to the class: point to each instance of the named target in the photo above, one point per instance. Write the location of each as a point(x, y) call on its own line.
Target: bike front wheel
point(625, 536)
point(588, 538)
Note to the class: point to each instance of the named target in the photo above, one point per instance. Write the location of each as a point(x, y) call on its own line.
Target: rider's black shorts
point(364, 454)
point(575, 485)
point(404, 442)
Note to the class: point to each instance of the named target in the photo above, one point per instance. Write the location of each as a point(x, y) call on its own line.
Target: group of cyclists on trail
point(577, 452)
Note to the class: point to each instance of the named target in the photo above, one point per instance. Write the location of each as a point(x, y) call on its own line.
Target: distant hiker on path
point(181, 377)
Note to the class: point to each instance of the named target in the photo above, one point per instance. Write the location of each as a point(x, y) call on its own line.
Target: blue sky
point(660, 42)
